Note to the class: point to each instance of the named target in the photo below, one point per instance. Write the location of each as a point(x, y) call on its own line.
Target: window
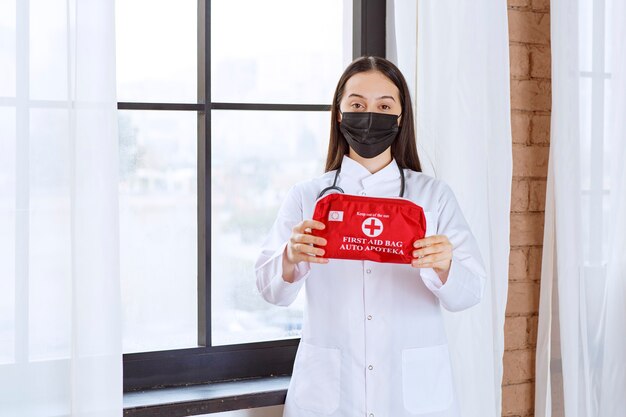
point(224, 105)
point(157, 65)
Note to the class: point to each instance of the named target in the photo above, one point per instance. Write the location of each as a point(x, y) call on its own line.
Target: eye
point(385, 107)
point(356, 106)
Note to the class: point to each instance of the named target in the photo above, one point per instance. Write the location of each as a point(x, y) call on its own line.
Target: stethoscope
point(337, 188)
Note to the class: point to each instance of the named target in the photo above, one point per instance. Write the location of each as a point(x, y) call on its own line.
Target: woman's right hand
point(300, 247)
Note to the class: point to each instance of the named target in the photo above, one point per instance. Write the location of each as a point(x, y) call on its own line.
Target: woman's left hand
point(433, 252)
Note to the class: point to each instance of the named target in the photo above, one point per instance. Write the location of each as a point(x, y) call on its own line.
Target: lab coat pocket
point(317, 376)
point(427, 379)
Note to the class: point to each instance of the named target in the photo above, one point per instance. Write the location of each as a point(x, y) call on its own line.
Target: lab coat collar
point(356, 171)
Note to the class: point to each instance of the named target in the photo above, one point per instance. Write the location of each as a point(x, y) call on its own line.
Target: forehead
point(371, 84)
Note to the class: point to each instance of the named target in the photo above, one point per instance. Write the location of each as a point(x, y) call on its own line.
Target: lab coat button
point(371, 414)
point(369, 317)
point(369, 271)
point(370, 367)
point(363, 193)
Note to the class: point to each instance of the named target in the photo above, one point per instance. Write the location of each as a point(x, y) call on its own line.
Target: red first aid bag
point(369, 228)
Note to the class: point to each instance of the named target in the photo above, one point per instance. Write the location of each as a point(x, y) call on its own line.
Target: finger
point(427, 250)
point(315, 260)
point(301, 227)
point(427, 241)
point(313, 224)
point(305, 238)
point(432, 259)
point(303, 248)
point(430, 240)
point(418, 263)
point(308, 249)
point(440, 265)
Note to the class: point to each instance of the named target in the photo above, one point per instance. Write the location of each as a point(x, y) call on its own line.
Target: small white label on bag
point(335, 216)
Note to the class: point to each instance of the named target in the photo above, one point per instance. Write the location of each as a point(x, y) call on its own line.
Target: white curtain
point(60, 344)
point(581, 351)
point(456, 58)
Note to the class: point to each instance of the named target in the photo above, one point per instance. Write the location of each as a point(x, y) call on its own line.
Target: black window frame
point(206, 363)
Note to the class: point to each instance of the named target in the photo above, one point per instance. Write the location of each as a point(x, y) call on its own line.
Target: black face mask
point(369, 134)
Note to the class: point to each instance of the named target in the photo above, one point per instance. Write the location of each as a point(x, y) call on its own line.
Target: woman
point(373, 340)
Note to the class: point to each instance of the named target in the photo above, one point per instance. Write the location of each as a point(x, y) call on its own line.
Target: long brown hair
point(404, 148)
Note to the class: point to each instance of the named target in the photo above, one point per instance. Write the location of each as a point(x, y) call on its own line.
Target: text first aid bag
point(369, 228)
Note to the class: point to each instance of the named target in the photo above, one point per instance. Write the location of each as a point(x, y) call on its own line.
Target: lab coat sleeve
point(467, 277)
point(269, 264)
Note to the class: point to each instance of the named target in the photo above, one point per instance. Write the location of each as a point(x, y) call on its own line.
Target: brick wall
point(529, 38)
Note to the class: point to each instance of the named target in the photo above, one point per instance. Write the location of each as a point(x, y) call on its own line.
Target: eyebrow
point(379, 98)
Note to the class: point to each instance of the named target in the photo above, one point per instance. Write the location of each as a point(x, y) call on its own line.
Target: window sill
point(207, 398)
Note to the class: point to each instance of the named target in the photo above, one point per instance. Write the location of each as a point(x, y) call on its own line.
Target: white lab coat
point(373, 339)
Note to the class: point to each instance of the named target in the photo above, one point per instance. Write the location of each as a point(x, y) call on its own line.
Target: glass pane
point(278, 50)
point(256, 157)
point(156, 50)
point(7, 48)
point(8, 201)
point(158, 229)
